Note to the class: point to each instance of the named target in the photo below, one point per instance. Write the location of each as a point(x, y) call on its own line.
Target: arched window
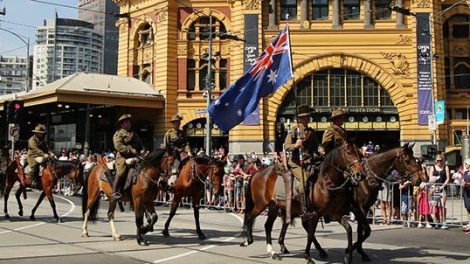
point(462, 76)
point(337, 87)
point(382, 10)
point(197, 66)
point(145, 35)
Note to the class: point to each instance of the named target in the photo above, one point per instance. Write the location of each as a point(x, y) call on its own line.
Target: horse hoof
point(244, 244)
point(7, 216)
point(323, 254)
point(165, 233)
point(143, 242)
point(347, 259)
point(276, 256)
point(20, 212)
point(201, 236)
point(310, 261)
point(32, 218)
point(85, 234)
point(59, 220)
point(284, 250)
point(117, 238)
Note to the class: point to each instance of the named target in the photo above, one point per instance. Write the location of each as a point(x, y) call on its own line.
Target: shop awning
point(92, 88)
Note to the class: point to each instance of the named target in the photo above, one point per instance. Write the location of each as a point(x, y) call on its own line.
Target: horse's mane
point(65, 164)
point(154, 158)
point(331, 158)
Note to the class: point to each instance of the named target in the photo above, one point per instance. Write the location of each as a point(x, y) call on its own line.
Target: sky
point(31, 15)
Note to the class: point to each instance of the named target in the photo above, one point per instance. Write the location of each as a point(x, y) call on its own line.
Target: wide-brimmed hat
point(339, 112)
point(124, 117)
point(176, 118)
point(304, 110)
point(40, 128)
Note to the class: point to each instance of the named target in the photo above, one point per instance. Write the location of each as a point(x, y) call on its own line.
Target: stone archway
point(338, 60)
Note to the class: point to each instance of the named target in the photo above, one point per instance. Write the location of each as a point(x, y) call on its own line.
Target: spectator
point(406, 189)
point(385, 198)
point(370, 148)
point(457, 180)
point(63, 155)
point(423, 205)
point(466, 193)
point(440, 175)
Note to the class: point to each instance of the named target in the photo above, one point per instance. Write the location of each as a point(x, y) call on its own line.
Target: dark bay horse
point(55, 170)
point(331, 194)
point(14, 172)
point(191, 182)
point(378, 167)
point(150, 177)
point(343, 160)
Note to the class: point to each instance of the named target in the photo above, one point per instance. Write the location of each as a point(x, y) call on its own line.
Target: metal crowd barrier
point(446, 204)
point(406, 211)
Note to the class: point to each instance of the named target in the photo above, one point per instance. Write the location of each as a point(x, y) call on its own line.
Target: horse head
point(170, 155)
point(217, 174)
point(408, 166)
point(352, 160)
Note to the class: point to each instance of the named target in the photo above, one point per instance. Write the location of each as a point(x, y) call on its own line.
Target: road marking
point(42, 223)
point(202, 249)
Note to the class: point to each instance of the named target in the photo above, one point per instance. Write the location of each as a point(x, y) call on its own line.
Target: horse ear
point(410, 147)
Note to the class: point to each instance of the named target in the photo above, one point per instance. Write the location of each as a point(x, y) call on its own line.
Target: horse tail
point(94, 208)
point(3, 181)
point(249, 203)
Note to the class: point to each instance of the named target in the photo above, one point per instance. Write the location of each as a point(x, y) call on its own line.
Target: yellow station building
point(354, 54)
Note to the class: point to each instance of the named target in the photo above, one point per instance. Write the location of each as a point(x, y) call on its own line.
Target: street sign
point(432, 122)
point(13, 132)
point(440, 108)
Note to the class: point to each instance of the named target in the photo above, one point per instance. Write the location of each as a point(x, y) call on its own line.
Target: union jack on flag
point(270, 71)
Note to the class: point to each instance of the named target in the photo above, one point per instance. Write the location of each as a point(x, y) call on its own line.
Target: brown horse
point(331, 194)
point(191, 182)
point(14, 172)
point(365, 194)
point(343, 160)
point(151, 174)
point(378, 168)
point(55, 170)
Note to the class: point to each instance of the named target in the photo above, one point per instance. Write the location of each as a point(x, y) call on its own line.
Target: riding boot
point(116, 194)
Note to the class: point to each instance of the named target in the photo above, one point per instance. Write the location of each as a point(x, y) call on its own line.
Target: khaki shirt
point(37, 147)
point(332, 137)
point(309, 146)
point(175, 138)
point(126, 143)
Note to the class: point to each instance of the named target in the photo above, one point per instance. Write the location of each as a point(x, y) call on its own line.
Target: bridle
point(351, 176)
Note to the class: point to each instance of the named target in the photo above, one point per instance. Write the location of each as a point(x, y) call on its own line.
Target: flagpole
point(209, 92)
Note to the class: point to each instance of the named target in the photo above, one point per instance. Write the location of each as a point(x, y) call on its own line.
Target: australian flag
point(270, 71)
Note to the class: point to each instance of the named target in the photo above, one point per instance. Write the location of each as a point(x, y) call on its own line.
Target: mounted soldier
point(176, 139)
point(335, 134)
point(302, 143)
point(128, 146)
point(38, 152)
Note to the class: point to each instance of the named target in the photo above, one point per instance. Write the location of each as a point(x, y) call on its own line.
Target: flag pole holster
point(288, 183)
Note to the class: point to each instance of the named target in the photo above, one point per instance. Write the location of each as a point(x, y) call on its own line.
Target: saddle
point(131, 177)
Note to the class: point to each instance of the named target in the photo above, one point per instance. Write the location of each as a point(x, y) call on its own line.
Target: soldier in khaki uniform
point(301, 138)
point(37, 151)
point(128, 146)
point(334, 134)
point(176, 139)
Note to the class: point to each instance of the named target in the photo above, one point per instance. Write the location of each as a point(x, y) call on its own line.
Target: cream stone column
point(272, 15)
point(399, 16)
point(303, 14)
point(367, 15)
point(336, 14)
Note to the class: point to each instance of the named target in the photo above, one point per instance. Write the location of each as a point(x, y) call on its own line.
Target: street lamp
point(26, 42)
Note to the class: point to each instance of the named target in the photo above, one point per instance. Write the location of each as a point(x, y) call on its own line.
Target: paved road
point(43, 241)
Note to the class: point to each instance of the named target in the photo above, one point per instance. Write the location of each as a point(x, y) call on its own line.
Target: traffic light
point(13, 110)
point(428, 151)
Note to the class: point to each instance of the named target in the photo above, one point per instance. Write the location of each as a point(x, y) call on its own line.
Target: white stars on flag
point(272, 76)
